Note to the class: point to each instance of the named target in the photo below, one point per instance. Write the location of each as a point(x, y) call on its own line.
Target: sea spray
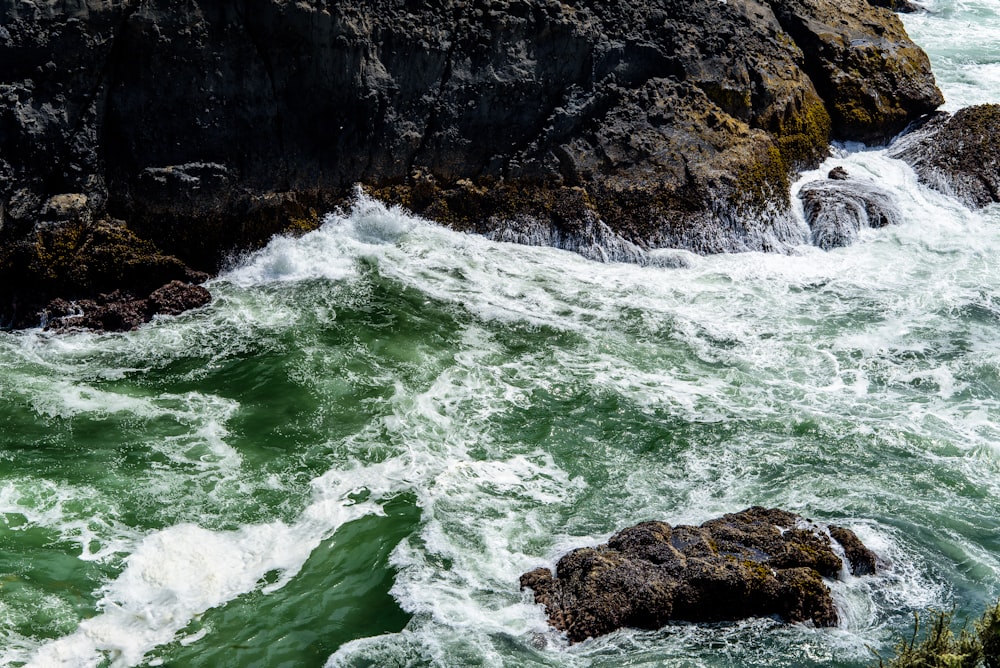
point(385, 419)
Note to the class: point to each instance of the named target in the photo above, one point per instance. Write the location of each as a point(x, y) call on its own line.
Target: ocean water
point(351, 455)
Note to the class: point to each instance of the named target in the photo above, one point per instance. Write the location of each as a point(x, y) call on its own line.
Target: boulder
point(758, 562)
point(839, 207)
point(958, 154)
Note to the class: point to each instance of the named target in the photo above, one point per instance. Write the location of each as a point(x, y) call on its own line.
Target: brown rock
point(958, 155)
point(758, 562)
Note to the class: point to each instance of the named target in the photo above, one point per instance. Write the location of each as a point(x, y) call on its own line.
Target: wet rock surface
point(82, 260)
point(120, 311)
point(212, 126)
point(839, 207)
point(758, 562)
point(958, 154)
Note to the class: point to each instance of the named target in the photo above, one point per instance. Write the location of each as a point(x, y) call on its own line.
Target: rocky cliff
point(166, 133)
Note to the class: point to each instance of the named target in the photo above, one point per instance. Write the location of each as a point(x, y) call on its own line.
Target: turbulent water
point(350, 456)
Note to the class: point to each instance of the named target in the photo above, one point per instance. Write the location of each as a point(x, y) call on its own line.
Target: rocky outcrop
point(853, 62)
point(208, 126)
point(958, 155)
point(839, 207)
point(80, 259)
point(120, 311)
point(758, 562)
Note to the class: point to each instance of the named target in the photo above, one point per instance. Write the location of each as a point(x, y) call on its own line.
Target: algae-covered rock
point(854, 54)
point(758, 562)
point(958, 155)
point(78, 259)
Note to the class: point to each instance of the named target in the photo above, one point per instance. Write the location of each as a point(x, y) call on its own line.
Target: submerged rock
point(210, 126)
point(957, 155)
point(758, 562)
point(839, 207)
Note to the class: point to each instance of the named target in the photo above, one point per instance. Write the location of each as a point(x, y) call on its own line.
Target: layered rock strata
point(758, 562)
point(211, 126)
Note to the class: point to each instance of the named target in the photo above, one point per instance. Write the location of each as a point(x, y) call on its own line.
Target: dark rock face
point(958, 155)
point(121, 311)
point(208, 126)
point(758, 562)
point(839, 207)
point(901, 6)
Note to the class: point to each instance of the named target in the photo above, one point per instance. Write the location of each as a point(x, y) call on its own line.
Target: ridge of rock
point(958, 155)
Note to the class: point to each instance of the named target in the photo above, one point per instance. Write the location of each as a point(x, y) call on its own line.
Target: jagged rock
point(853, 65)
point(759, 562)
point(121, 311)
point(78, 259)
point(958, 155)
point(839, 207)
point(209, 126)
point(863, 561)
point(176, 297)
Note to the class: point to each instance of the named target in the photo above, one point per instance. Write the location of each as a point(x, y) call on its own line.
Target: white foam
point(329, 252)
point(839, 338)
point(962, 39)
point(174, 575)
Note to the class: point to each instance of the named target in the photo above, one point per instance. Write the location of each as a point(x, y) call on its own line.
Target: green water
point(350, 456)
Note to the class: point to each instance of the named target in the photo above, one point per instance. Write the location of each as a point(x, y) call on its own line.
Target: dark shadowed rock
point(901, 6)
point(958, 155)
point(210, 126)
point(79, 260)
point(176, 297)
point(121, 311)
point(759, 562)
point(862, 560)
point(839, 207)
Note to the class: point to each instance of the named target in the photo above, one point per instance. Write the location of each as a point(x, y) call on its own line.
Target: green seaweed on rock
point(942, 648)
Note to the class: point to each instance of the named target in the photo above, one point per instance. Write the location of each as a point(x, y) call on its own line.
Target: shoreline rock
point(958, 155)
point(837, 208)
point(755, 563)
point(210, 127)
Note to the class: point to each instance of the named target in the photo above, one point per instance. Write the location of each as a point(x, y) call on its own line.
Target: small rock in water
point(839, 207)
point(755, 563)
point(838, 174)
